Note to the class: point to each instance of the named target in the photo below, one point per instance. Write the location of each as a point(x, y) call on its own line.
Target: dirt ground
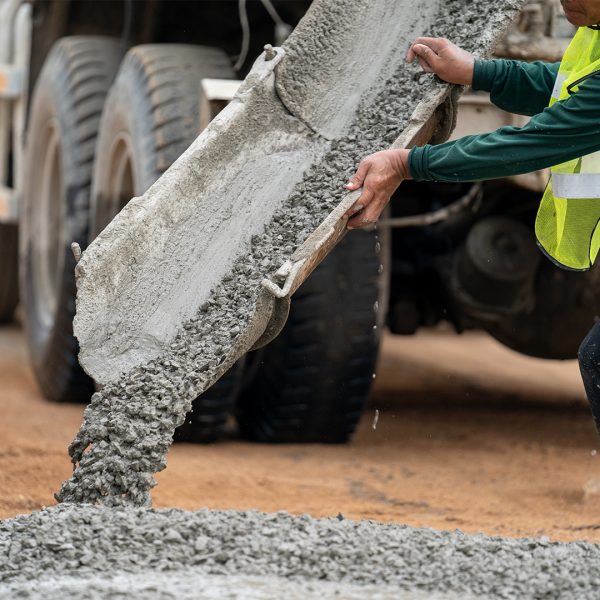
point(470, 436)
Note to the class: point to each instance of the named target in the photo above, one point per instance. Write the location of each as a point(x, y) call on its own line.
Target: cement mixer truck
point(98, 99)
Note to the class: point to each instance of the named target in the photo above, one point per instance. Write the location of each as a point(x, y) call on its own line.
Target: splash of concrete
point(129, 425)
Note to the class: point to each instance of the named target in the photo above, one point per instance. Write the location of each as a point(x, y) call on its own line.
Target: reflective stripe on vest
point(573, 186)
point(558, 85)
point(567, 225)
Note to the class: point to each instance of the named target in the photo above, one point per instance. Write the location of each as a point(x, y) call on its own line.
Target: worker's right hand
point(379, 175)
point(447, 61)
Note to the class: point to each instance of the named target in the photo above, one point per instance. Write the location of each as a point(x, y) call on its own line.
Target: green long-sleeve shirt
point(567, 130)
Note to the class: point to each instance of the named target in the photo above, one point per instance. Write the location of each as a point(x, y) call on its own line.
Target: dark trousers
point(589, 365)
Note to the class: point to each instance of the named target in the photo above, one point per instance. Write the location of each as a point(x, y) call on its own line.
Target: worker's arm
point(515, 86)
point(567, 130)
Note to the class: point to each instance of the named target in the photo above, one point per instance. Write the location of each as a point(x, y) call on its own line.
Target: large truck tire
point(312, 382)
point(9, 271)
point(63, 125)
point(151, 116)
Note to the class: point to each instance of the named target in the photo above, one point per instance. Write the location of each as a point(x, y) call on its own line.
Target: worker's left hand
point(379, 174)
point(445, 59)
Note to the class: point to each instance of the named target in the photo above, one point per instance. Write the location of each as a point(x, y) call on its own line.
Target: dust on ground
point(470, 436)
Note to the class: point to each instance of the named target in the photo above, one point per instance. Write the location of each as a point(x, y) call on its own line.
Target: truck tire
point(151, 117)
point(9, 271)
point(312, 382)
point(63, 124)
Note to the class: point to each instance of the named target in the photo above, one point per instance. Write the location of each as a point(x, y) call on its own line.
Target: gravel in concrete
point(129, 425)
point(85, 549)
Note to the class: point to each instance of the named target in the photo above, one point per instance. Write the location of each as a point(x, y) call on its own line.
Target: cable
point(127, 21)
point(273, 13)
point(282, 29)
point(245, 35)
point(472, 197)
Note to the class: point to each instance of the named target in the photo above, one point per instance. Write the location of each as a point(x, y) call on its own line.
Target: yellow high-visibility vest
point(567, 221)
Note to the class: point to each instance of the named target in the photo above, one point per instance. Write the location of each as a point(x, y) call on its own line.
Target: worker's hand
point(379, 175)
point(447, 61)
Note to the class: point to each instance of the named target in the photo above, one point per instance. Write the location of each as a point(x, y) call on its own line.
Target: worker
point(563, 134)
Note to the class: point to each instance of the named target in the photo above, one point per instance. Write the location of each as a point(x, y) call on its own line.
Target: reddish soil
point(470, 436)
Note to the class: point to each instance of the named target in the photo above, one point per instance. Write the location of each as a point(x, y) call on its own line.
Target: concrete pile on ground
point(87, 552)
point(129, 425)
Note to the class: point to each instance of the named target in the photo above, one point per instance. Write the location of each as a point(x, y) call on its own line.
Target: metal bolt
point(76, 250)
point(270, 52)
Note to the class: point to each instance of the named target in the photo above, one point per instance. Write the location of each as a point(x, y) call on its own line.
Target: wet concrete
point(189, 584)
point(67, 548)
point(129, 425)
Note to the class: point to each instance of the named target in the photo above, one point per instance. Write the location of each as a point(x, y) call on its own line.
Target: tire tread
point(79, 79)
point(165, 80)
point(316, 376)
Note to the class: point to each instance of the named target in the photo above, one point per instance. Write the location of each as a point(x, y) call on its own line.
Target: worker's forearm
point(516, 86)
point(569, 129)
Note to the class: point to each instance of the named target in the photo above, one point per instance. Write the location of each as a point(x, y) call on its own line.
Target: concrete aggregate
point(128, 426)
point(68, 547)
